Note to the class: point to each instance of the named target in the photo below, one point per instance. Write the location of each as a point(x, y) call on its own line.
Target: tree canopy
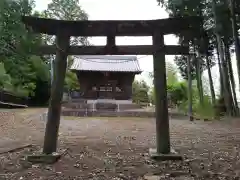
point(220, 26)
point(16, 43)
point(22, 73)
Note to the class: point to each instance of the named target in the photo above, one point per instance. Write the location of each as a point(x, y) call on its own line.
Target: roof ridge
point(108, 57)
point(105, 60)
point(104, 63)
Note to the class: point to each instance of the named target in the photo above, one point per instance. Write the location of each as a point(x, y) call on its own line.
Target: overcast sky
point(132, 10)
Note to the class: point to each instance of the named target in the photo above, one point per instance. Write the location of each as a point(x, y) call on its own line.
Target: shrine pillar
point(54, 110)
point(160, 87)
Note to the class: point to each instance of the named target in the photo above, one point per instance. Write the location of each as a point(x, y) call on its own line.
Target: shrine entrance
point(155, 28)
point(107, 90)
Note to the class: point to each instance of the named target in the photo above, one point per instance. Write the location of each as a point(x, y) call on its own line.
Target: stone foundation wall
point(104, 109)
point(107, 113)
point(142, 114)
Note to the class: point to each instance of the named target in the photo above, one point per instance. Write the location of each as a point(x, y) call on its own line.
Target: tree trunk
point(227, 91)
point(235, 36)
point(54, 110)
point(199, 80)
point(221, 75)
point(210, 80)
point(190, 114)
point(227, 94)
point(52, 70)
point(233, 88)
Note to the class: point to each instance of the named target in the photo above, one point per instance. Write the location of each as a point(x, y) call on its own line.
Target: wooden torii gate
point(155, 28)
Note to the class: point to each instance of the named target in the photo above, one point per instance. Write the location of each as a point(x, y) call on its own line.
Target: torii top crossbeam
point(113, 27)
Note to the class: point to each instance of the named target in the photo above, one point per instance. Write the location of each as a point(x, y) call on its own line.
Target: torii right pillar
point(163, 149)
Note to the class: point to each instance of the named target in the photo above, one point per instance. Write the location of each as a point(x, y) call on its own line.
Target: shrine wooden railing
point(94, 95)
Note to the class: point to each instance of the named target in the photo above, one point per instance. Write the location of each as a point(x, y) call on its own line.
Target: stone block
point(44, 158)
point(173, 155)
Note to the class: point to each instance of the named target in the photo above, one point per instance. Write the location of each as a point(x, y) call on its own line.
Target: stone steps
point(100, 106)
point(104, 113)
point(76, 104)
point(74, 112)
point(106, 106)
point(129, 106)
point(73, 105)
point(83, 108)
point(131, 113)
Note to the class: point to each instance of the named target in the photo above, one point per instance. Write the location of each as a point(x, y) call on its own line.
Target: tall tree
point(16, 43)
point(233, 7)
point(190, 98)
point(210, 80)
point(66, 10)
point(218, 30)
point(199, 78)
point(214, 21)
point(220, 74)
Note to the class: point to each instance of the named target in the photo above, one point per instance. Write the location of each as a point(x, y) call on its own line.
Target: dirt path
point(117, 149)
point(20, 126)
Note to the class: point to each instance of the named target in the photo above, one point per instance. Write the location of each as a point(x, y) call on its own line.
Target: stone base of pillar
point(44, 158)
point(173, 155)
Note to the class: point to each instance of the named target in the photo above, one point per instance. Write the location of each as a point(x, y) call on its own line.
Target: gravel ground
point(117, 149)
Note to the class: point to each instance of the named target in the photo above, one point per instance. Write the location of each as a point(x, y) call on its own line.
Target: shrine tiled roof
point(106, 63)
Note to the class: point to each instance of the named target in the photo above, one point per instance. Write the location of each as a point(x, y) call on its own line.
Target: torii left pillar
point(54, 110)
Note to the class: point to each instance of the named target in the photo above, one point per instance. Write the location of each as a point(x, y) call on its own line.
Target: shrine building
point(105, 76)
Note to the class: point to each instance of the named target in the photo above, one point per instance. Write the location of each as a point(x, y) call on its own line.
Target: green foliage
point(66, 10)
point(140, 92)
point(181, 62)
point(171, 71)
point(40, 68)
point(217, 26)
point(20, 72)
point(71, 81)
point(5, 79)
point(16, 44)
point(206, 111)
point(177, 92)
